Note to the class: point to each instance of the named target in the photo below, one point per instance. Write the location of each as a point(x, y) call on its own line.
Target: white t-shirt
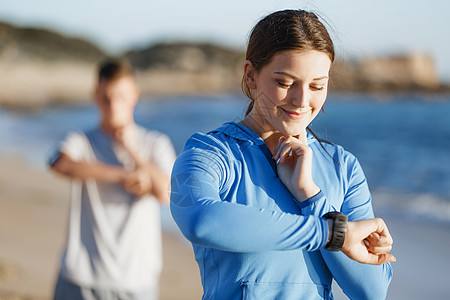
point(114, 238)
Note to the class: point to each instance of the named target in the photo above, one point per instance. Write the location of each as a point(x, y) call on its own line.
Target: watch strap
point(339, 230)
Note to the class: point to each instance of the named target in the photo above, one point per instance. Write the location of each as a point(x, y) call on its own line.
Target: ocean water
point(402, 142)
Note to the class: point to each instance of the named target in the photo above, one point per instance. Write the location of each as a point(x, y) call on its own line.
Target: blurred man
point(120, 175)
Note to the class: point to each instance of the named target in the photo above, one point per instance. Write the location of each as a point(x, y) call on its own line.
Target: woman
point(251, 196)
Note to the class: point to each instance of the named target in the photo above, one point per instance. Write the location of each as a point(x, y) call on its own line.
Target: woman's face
point(289, 91)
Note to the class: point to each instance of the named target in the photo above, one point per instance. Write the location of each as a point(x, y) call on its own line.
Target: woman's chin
point(292, 130)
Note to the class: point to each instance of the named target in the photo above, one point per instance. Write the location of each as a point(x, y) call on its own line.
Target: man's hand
point(368, 241)
point(138, 182)
point(148, 177)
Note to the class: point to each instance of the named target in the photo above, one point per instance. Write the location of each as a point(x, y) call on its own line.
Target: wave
point(426, 207)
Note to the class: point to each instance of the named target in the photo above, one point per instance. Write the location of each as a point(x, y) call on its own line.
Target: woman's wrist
point(306, 193)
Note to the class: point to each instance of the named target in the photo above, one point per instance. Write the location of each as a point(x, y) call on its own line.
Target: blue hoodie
point(251, 239)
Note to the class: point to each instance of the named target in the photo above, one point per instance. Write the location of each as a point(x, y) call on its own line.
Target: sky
point(359, 27)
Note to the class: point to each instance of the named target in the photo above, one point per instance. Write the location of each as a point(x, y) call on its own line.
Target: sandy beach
point(33, 211)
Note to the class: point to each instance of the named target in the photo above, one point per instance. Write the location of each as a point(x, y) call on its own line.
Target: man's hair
point(112, 69)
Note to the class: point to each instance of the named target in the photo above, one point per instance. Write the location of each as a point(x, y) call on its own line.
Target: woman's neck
point(269, 135)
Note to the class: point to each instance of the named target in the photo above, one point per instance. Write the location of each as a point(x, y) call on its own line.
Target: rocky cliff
point(169, 68)
point(396, 73)
point(32, 44)
point(39, 67)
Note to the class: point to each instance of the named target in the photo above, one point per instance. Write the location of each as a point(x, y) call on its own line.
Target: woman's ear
point(249, 75)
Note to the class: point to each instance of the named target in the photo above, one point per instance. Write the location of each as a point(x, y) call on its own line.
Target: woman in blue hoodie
point(255, 197)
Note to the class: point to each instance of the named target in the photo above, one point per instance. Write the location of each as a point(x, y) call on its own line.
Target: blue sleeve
point(205, 219)
point(358, 281)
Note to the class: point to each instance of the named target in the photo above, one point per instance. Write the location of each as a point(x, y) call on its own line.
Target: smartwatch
point(339, 229)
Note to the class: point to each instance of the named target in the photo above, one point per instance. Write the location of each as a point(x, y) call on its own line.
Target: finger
point(383, 231)
point(381, 227)
point(374, 236)
point(130, 182)
point(288, 142)
point(127, 185)
point(377, 240)
point(366, 243)
point(131, 177)
point(381, 250)
point(377, 249)
point(380, 259)
point(377, 244)
point(137, 191)
point(285, 152)
point(296, 145)
point(279, 153)
point(133, 187)
point(375, 225)
point(131, 190)
point(277, 147)
point(300, 149)
point(294, 141)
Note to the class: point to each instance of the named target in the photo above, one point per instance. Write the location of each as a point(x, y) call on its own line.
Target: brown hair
point(112, 69)
point(285, 30)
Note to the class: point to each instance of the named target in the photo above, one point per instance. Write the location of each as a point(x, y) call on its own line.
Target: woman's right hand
point(294, 166)
point(368, 242)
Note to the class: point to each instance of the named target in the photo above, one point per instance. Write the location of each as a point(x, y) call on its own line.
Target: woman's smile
point(295, 115)
point(289, 91)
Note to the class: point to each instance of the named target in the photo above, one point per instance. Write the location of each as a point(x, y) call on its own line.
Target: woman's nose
point(300, 97)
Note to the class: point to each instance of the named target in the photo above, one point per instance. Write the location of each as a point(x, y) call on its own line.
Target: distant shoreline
point(35, 105)
point(43, 68)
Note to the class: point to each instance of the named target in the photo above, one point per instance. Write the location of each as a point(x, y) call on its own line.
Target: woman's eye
point(284, 85)
point(316, 88)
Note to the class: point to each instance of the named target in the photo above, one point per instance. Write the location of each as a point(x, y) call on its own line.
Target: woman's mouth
point(294, 114)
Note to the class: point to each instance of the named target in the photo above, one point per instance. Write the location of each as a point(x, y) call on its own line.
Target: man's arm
point(65, 165)
point(148, 178)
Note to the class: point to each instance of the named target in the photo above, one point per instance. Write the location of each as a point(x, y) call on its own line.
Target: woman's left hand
point(368, 241)
point(294, 166)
